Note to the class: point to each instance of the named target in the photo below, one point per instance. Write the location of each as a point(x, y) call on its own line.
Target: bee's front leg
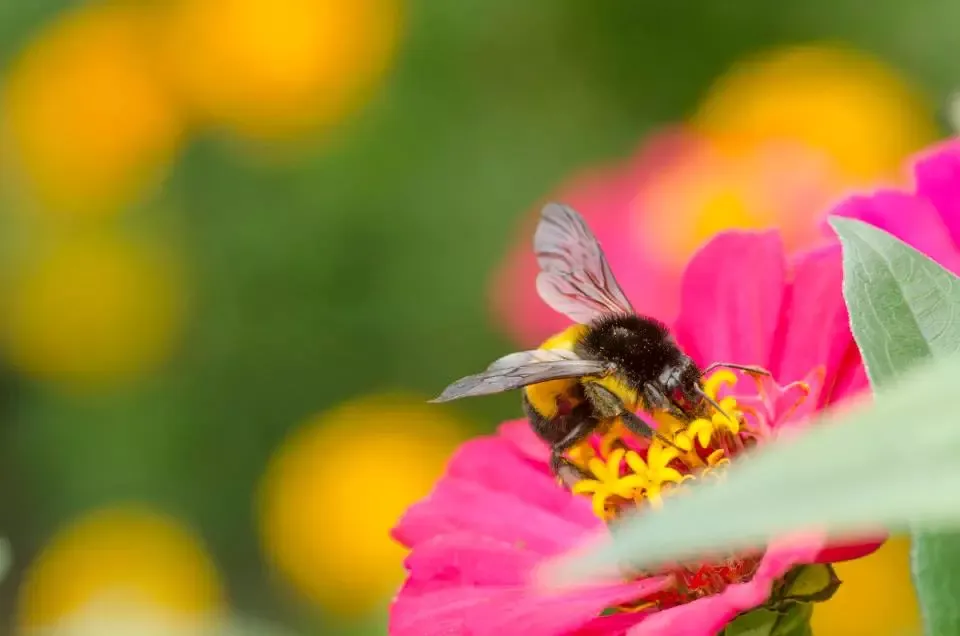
point(607, 405)
point(657, 400)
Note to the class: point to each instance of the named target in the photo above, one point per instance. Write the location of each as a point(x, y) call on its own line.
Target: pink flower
point(652, 211)
point(928, 218)
point(497, 513)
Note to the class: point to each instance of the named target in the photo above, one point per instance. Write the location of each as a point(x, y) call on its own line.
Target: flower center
point(623, 471)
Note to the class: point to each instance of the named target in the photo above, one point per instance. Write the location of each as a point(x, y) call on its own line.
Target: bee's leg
point(752, 370)
point(561, 433)
point(562, 467)
point(607, 405)
point(656, 400)
point(639, 427)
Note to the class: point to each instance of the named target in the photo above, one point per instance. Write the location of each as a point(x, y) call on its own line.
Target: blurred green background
point(224, 218)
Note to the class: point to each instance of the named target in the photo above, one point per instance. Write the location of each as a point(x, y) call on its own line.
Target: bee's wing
point(574, 278)
point(520, 369)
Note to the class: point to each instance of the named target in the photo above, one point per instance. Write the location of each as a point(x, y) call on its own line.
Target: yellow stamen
point(718, 379)
point(581, 454)
point(667, 424)
point(617, 432)
point(716, 457)
point(699, 448)
point(700, 430)
point(608, 482)
point(655, 472)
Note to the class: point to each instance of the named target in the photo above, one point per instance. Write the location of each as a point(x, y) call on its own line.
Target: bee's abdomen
point(554, 397)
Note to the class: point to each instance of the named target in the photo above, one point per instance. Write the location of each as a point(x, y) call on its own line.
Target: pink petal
point(519, 433)
point(557, 613)
point(463, 558)
point(814, 327)
point(482, 611)
point(460, 505)
point(487, 478)
point(912, 219)
point(789, 415)
point(495, 463)
point(849, 552)
point(937, 175)
point(731, 298)
point(441, 612)
point(612, 625)
point(851, 378)
point(707, 616)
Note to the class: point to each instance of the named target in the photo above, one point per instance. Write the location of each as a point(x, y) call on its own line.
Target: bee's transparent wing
point(575, 278)
point(519, 369)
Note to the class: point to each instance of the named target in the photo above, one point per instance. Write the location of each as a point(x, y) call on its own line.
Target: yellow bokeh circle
point(121, 557)
point(272, 69)
point(859, 111)
point(91, 310)
point(710, 188)
point(336, 487)
point(87, 122)
point(876, 597)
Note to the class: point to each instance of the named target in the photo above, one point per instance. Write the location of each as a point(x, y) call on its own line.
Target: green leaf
point(794, 621)
point(851, 473)
point(810, 583)
point(903, 309)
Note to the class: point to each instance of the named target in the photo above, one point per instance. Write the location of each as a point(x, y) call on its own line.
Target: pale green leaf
point(903, 306)
point(904, 309)
point(851, 472)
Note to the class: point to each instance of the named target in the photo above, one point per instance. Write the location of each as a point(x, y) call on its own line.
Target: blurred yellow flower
point(861, 113)
point(273, 69)
point(119, 560)
point(90, 310)
point(337, 486)
point(876, 597)
point(708, 187)
point(86, 123)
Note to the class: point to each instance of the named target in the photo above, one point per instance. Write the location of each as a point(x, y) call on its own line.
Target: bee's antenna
point(712, 402)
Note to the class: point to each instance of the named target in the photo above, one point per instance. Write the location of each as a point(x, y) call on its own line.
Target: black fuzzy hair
point(641, 347)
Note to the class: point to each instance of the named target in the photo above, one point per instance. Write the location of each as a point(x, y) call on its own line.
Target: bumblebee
point(610, 364)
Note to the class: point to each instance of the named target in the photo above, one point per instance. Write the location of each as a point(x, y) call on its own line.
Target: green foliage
point(790, 607)
point(849, 474)
point(904, 309)
point(794, 621)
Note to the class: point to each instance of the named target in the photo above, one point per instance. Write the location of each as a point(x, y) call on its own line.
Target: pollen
point(625, 472)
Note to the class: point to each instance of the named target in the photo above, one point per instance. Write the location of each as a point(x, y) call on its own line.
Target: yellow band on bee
point(546, 397)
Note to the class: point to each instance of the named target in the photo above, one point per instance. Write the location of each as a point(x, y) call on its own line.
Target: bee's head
point(687, 393)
